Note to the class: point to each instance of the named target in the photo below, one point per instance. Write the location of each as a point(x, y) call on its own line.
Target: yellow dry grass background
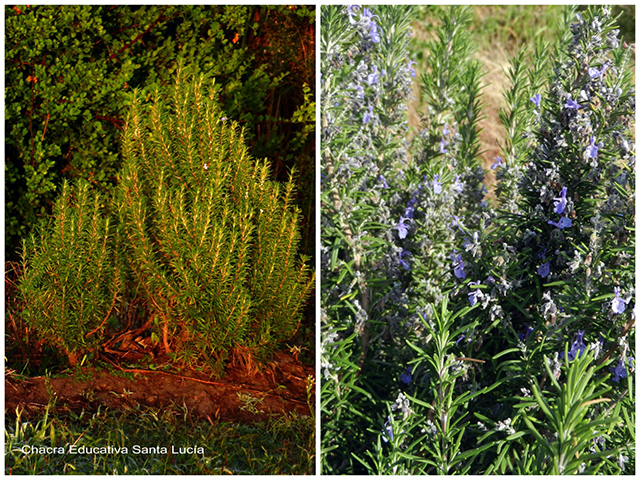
point(494, 82)
point(498, 30)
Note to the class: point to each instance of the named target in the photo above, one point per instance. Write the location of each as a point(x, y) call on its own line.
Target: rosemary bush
point(196, 225)
point(72, 273)
point(366, 80)
point(70, 70)
point(461, 337)
point(212, 240)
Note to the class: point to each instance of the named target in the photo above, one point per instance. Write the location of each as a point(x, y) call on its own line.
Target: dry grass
point(498, 30)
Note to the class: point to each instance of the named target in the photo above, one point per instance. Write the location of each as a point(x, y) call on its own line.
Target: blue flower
point(406, 377)
point(351, 13)
point(563, 223)
point(403, 228)
point(411, 205)
point(459, 339)
point(468, 244)
point(384, 181)
point(543, 270)
point(445, 130)
point(497, 163)
point(525, 335)
point(577, 348)
point(360, 91)
point(373, 77)
point(619, 372)
point(458, 186)
point(411, 70)
point(536, 100)
point(368, 14)
point(373, 31)
point(473, 295)
point(437, 186)
point(404, 263)
point(561, 202)
point(458, 267)
point(618, 304)
point(443, 144)
point(592, 149)
point(389, 429)
point(572, 104)
point(458, 223)
point(595, 73)
point(367, 115)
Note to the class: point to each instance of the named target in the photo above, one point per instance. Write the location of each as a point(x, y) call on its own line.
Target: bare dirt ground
point(279, 387)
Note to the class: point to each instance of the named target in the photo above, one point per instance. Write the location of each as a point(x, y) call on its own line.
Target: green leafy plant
point(212, 240)
point(440, 308)
point(563, 428)
point(72, 274)
point(70, 70)
point(574, 416)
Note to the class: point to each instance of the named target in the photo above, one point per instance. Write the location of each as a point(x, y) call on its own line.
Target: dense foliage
point(213, 241)
point(462, 336)
point(70, 70)
point(72, 274)
point(204, 240)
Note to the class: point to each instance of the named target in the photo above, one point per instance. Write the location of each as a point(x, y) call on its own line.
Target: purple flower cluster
point(365, 23)
point(620, 370)
point(577, 348)
point(618, 304)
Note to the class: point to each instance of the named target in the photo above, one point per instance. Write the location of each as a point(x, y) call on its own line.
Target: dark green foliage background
point(69, 71)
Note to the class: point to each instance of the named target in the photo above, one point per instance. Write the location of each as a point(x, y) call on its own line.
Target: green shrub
point(212, 240)
point(69, 71)
point(72, 277)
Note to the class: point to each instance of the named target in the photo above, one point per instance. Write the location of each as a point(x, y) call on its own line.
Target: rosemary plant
point(556, 267)
point(459, 339)
point(211, 239)
point(72, 274)
point(366, 80)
